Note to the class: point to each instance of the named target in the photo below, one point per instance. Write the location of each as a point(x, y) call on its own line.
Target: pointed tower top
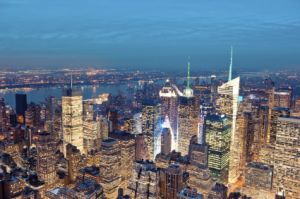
point(71, 80)
point(230, 66)
point(188, 92)
point(188, 73)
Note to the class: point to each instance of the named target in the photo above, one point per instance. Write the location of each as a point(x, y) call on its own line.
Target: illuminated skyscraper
point(110, 167)
point(218, 133)
point(72, 119)
point(188, 118)
point(151, 127)
point(286, 156)
point(227, 104)
point(168, 96)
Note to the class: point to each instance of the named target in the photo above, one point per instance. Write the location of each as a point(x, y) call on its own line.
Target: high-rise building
point(286, 156)
point(21, 106)
point(171, 181)
point(151, 127)
point(199, 173)
point(126, 142)
point(144, 182)
point(140, 147)
point(72, 119)
point(227, 104)
point(3, 117)
point(91, 135)
point(166, 141)
point(46, 158)
point(276, 112)
point(168, 96)
point(218, 133)
point(75, 161)
point(283, 98)
point(110, 163)
point(188, 118)
point(88, 110)
point(33, 115)
point(259, 176)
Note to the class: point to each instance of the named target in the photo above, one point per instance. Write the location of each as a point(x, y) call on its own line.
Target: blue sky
point(150, 34)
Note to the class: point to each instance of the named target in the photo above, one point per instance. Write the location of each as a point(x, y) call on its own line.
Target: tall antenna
point(188, 73)
point(71, 80)
point(230, 66)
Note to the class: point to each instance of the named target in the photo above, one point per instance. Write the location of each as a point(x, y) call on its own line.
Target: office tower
point(276, 112)
point(198, 153)
point(270, 90)
point(91, 135)
point(189, 193)
point(168, 97)
point(33, 115)
point(166, 141)
point(21, 106)
point(3, 117)
point(140, 147)
point(259, 176)
point(144, 182)
point(51, 107)
point(88, 110)
point(151, 127)
point(187, 118)
point(46, 158)
point(75, 161)
point(286, 156)
point(296, 107)
point(113, 120)
point(219, 191)
point(283, 98)
point(199, 173)
point(72, 119)
point(171, 181)
point(227, 104)
point(213, 90)
point(218, 133)
point(126, 142)
point(110, 163)
point(104, 126)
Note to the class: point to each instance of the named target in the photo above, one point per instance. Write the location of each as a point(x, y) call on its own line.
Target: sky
point(150, 35)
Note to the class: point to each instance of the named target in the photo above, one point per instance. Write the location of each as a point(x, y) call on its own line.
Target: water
point(38, 95)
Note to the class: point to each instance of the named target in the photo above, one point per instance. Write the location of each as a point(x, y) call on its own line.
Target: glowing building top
point(188, 92)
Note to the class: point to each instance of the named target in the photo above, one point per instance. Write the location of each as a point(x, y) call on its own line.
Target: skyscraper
point(218, 132)
point(72, 119)
point(46, 158)
point(227, 104)
point(151, 121)
point(286, 157)
point(168, 96)
point(188, 117)
point(110, 166)
point(21, 106)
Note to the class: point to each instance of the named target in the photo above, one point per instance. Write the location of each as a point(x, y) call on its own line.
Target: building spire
point(230, 66)
point(188, 73)
point(71, 80)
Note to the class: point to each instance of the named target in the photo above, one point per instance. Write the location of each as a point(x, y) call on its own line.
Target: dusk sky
point(150, 34)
